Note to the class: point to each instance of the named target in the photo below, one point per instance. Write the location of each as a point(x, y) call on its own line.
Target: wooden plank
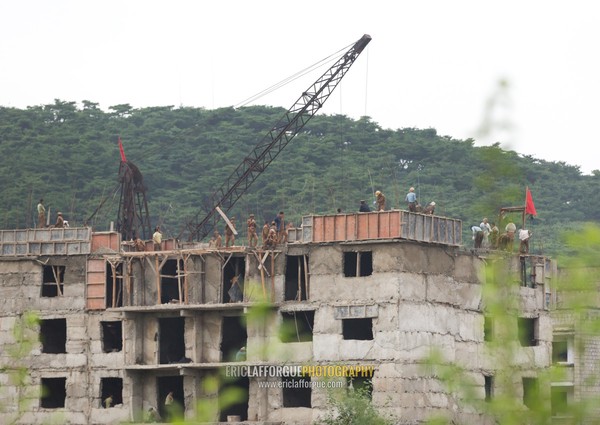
point(158, 288)
point(231, 226)
point(95, 304)
point(95, 291)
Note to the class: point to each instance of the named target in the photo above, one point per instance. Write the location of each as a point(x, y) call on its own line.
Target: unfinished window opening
point(362, 385)
point(53, 336)
point(54, 393)
point(112, 336)
point(489, 387)
point(296, 392)
point(240, 407)
point(297, 326)
point(358, 263)
point(235, 268)
point(233, 337)
point(560, 397)
point(114, 285)
point(171, 402)
point(111, 392)
point(527, 279)
point(528, 331)
point(171, 289)
point(488, 329)
point(296, 278)
point(53, 281)
point(530, 392)
point(562, 349)
point(171, 340)
point(361, 329)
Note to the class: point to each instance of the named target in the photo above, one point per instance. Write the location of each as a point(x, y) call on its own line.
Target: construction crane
point(133, 220)
point(290, 124)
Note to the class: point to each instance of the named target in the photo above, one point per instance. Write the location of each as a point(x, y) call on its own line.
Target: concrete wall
point(418, 298)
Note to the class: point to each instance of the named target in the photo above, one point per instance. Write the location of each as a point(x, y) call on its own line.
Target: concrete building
point(123, 332)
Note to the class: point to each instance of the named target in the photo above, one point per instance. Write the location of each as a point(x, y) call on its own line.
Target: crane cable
point(291, 78)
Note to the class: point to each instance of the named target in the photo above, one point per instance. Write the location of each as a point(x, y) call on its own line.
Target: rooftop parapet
point(56, 241)
point(394, 224)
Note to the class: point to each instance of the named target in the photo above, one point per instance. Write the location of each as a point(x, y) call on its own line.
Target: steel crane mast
point(133, 220)
point(273, 143)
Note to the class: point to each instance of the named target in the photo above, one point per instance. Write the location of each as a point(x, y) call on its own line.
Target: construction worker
point(510, 228)
point(229, 236)
point(272, 236)
point(60, 221)
point(217, 240)
point(139, 244)
point(157, 238)
point(524, 236)
point(380, 200)
point(41, 210)
point(429, 209)
point(252, 237)
point(265, 232)
point(108, 402)
point(363, 207)
point(279, 225)
point(411, 199)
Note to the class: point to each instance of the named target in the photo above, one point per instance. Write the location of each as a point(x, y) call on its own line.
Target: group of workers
point(412, 203)
point(488, 236)
point(272, 234)
point(41, 210)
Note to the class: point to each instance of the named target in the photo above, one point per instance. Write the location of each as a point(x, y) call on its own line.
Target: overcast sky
point(435, 64)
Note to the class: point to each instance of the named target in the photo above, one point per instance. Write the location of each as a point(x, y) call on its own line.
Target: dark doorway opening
point(530, 392)
point(236, 267)
point(233, 337)
point(54, 393)
point(114, 285)
point(527, 331)
point(53, 335)
point(489, 387)
point(112, 336)
point(560, 351)
point(111, 392)
point(297, 392)
point(171, 401)
point(297, 326)
point(296, 275)
point(361, 329)
point(171, 339)
point(358, 263)
point(240, 407)
point(559, 400)
point(488, 329)
point(170, 284)
point(53, 281)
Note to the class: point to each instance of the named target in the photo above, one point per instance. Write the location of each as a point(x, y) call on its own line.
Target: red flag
point(529, 207)
point(123, 159)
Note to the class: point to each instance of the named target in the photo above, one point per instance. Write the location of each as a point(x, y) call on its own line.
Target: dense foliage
point(67, 154)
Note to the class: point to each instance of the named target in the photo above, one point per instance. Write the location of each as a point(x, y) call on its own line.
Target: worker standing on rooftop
point(252, 237)
point(265, 232)
point(279, 225)
point(380, 201)
point(411, 199)
point(229, 236)
point(41, 210)
point(157, 238)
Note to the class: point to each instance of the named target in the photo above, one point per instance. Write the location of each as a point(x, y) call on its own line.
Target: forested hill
point(67, 154)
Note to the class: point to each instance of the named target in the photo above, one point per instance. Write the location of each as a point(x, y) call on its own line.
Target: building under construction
point(122, 332)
